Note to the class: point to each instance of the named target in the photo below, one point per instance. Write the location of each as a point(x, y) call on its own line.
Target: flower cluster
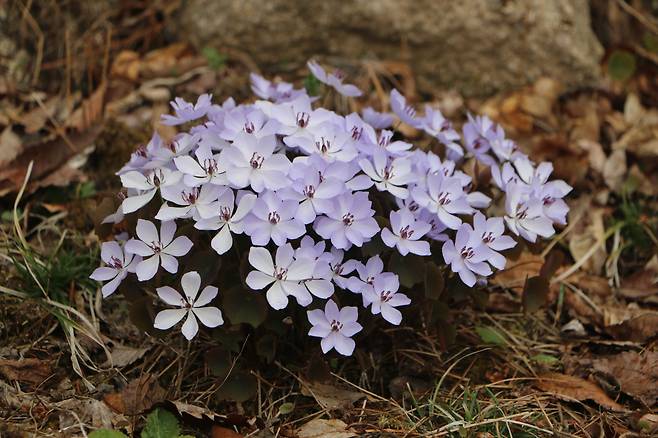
point(301, 179)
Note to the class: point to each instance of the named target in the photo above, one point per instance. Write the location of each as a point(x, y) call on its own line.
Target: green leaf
point(434, 281)
point(545, 359)
point(650, 42)
point(161, 424)
point(245, 306)
point(216, 60)
point(621, 65)
point(219, 362)
point(489, 335)
point(286, 408)
point(551, 264)
point(266, 347)
point(535, 293)
point(107, 433)
point(312, 85)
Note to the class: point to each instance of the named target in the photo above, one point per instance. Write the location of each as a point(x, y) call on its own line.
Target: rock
point(475, 46)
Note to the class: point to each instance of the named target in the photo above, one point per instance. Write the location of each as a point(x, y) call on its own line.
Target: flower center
point(273, 217)
point(115, 263)
point(406, 233)
point(548, 200)
point(410, 111)
point(336, 326)
point(303, 119)
point(192, 196)
point(444, 198)
point(141, 151)
point(249, 128)
point(386, 296)
point(348, 219)
point(156, 178)
point(156, 247)
point(357, 133)
point(309, 191)
point(323, 146)
point(384, 139)
point(225, 213)
point(210, 166)
point(467, 253)
point(388, 172)
point(488, 237)
point(521, 211)
point(281, 273)
point(256, 161)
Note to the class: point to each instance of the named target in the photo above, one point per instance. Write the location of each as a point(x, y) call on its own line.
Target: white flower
point(206, 168)
point(117, 265)
point(389, 175)
point(227, 219)
point(335, 327)
point(385, 298)
point(286, 276)
point(195, 202)
point(146, 185)
point(193, 305)
point(406, 232)
point(157, 249)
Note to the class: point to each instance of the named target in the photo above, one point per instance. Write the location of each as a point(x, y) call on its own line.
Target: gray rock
point(476, 46)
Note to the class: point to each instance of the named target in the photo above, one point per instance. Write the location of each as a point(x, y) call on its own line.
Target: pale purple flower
point(206, 168)
point(194, 305)
point(384, 298)
point(491, 233)
point(350, 222)
point(404, 111)
point(273, 219)
point(467, 255)
point(397, 147)
point(376, 119)
point(389, 175)
point(340, 268)
point(285, 276)
point(314, 194)
point(146, 186)
point(406, 232)
point(164, 154)
point(278, 92)
point(525, 215)
point(504, 149)
point(477, 133)
point(437, 228)
point(157, 249)
point(334, 80)
point(331, 143)
point(335, 326)
point(118, 264)
point(445, 197)
point(185, 111)
point(250, 121)
point(348, 173)
point(251, 161)
point(363, 284)
point(439, 127)
point(319, 284)
point(227, 219)
point(191, 202)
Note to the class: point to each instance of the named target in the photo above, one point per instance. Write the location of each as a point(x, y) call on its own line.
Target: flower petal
point(168, 318)
point(209, 316)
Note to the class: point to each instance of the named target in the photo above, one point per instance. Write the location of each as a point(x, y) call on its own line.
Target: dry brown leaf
point(637, 374)
point(26, 370)
point(88, 411)
point(123, 355)
point(516, 271)
point(138, 396)
point(575, 388)
point(11, 146)
point(319, 428)
point(198, 412)
point(641, 285)
point(329, 396)
point(223, 432)
point(614, 170)
point(586, 233)
point(637, 329)
point(126, 65)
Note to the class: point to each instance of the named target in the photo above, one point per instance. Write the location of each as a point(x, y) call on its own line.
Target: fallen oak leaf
point(637, 329)
point(575, 389)
point(330, 396)
point(31, 370)
point(636, 373)
point(320, 428)
point(138, 396)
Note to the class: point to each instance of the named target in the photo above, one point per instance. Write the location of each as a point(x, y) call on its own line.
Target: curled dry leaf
point(575, 389)
point(330, 396)
point(587, 232)
point(636, 373)
point(517, 271)
point(320, 428)
point(123, 355)
point(640, 328)
point(138, 396)
point(88, 411)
